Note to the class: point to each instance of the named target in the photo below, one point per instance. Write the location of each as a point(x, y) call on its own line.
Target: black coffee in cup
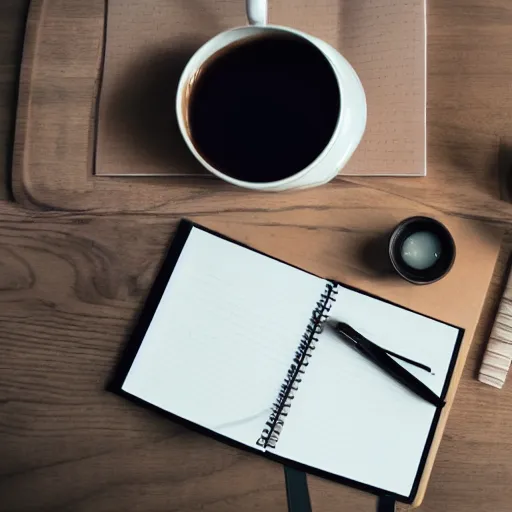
point(263, 109)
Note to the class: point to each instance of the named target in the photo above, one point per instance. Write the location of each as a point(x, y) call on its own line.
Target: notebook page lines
point(223, 336)
point(361, 424)
point(358, 422)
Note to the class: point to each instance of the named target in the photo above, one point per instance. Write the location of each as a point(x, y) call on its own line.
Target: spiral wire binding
point(281, 407)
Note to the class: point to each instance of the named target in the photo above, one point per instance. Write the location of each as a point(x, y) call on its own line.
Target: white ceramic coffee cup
point(351, 120)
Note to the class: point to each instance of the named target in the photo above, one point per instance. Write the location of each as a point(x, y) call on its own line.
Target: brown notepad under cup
point(148, 43)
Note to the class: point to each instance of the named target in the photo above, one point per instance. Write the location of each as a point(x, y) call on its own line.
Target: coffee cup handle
point(257, 11)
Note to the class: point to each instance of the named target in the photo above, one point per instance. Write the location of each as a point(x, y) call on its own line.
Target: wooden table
point(70, 284)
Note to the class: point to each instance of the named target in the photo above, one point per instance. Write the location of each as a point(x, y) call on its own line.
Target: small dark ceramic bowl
point(414, 225)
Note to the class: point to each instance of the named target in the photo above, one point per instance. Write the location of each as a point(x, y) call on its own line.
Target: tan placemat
point(148, 43)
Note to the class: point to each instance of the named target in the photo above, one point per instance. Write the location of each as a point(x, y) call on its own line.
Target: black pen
point(385, 362)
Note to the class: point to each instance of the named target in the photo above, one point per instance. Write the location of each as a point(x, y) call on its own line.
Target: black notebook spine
point(281, 407)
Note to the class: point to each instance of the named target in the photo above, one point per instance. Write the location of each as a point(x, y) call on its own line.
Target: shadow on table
point(374, 257)
point(11, 45)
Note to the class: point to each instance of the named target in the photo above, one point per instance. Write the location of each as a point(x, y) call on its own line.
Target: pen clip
point(409, 361)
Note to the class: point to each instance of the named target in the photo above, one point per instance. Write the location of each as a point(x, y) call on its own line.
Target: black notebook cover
point(145, 319)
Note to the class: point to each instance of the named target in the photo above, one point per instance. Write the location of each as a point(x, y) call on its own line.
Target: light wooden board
point(469, 74)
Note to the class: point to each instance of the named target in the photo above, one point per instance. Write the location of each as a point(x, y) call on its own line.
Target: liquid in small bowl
point(421, 250)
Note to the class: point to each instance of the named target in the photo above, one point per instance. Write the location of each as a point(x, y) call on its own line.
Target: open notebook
point(231, 340)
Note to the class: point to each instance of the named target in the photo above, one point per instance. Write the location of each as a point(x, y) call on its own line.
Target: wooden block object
point(498, 354)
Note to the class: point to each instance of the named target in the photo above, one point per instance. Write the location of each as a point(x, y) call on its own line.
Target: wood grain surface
point(71, 284)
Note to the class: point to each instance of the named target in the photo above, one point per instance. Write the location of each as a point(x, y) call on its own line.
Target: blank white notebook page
point(350, 418)
point(223, 336)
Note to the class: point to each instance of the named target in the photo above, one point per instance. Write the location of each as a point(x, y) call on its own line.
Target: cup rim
point(191, 68)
